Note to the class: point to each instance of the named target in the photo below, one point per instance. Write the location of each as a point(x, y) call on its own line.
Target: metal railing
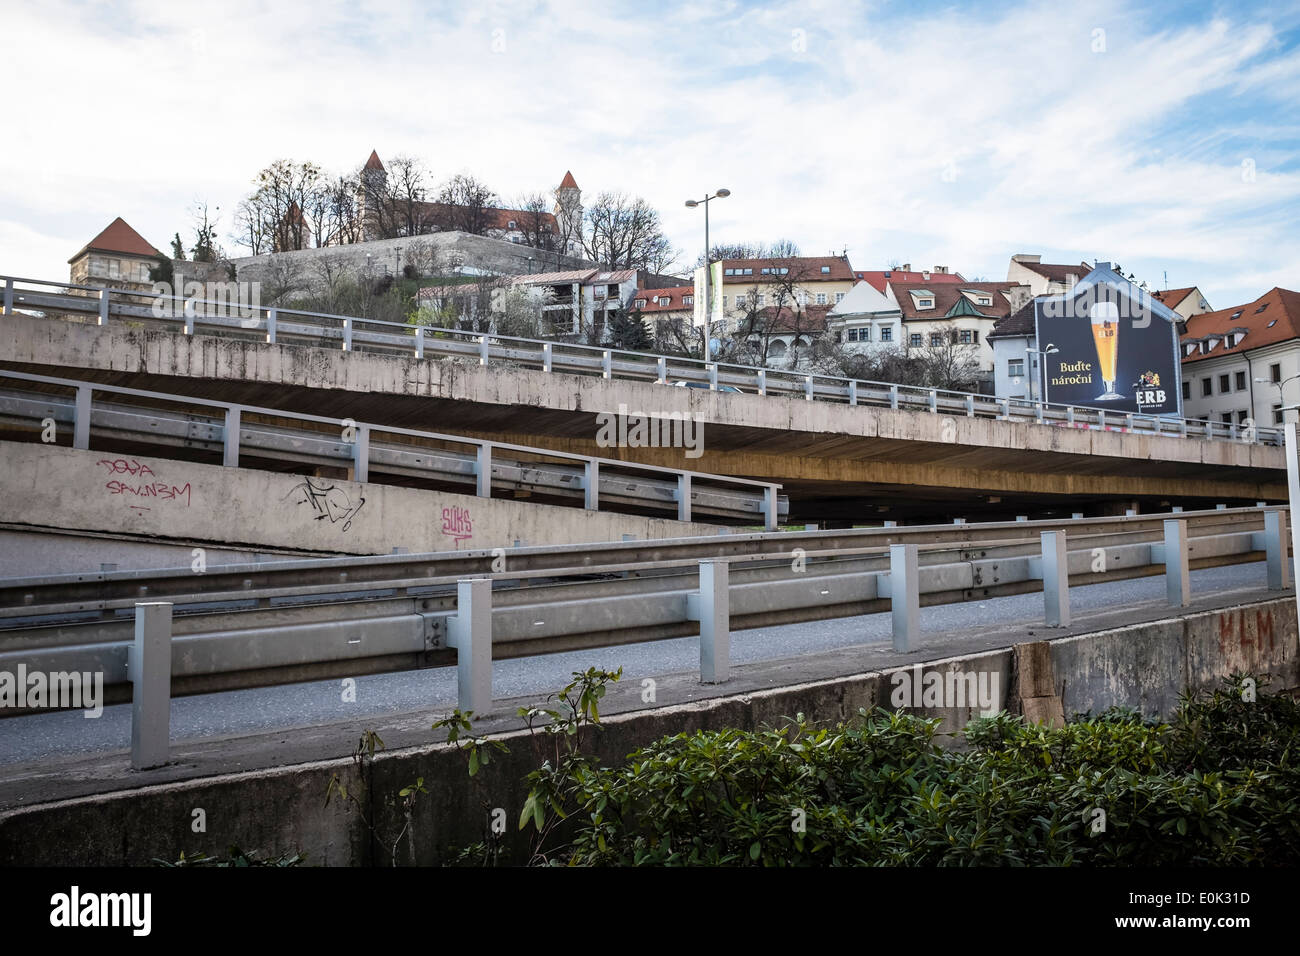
point(354, 333)
point(597, 481)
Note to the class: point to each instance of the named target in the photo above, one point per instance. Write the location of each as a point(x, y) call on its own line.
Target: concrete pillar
point(1275, 547)
point(715, 622)
point(150, 667)
point(904, 595)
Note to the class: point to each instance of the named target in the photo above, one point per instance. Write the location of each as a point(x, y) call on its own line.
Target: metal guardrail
point(597, 481)
point(94, 593)
point(355, 333)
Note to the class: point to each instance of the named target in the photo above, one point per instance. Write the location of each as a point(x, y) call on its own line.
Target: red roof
point(805, 268)
point(568, 182)
point(946, 295)
point(1273, 317)
point(373, 162)
point(879, 280)
point(118, 237)
point(675, 295)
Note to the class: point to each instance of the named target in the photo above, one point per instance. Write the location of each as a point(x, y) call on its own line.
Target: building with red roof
point(118, 257)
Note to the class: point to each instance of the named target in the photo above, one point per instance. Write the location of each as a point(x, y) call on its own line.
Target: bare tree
point(274, 211)
point(948, 364)
point(465, 205)
point(780, 249)
point(406, 192)
point(534, 220)
point(625, 233)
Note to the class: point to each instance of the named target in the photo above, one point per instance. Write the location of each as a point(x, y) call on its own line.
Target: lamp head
point(691, 204)
point(723, 193)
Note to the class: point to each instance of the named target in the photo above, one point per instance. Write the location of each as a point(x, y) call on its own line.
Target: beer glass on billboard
point(1105, 336)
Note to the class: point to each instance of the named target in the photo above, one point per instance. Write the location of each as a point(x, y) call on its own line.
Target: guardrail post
point(1038, 412)
point(81, 419)
point(483, 471)
point(762, 381)
point(1101, 419)
point(1177, 583)
point(230, 439)
point(1006, 408)
point(272, 317)
point(1069, 414)
point(904, 595)
point(1275, 547)
point(482, 350)
point(1022, 517)
point(893, 396)
point(1077, 515)
point(715, 622)
point(683, 497)
point(419, 341)
point(347, 335)
point(361, 454)
point(1056, 579)
point(970, 406)
point(606, 364)
point(150, 669)
point(470, 632)
point(891, 524)
point(770, 506)
point(1176, 509)
point(853, 392)
point(1182, 427)
point(661, 370)
point(189, 313)
point(934, 400)
point(591, 485)
point(808, 387)
point(103, 307)
point(1128, 421)
point(9, 297)
point(548, 357)
point(1220, 507)
point(713, 377)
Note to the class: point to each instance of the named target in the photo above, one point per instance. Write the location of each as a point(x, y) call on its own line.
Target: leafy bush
point(1213, 786)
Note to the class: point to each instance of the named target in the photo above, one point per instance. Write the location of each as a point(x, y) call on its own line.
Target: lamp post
point(1281, 398)
point(708, 303)
point(1028, 358)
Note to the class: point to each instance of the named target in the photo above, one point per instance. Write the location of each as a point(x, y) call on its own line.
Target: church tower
point(370, 192)
point(568, 215)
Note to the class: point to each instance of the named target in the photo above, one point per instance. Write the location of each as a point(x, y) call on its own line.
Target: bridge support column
point(1056, 579)
point(150, 668)
point(904, 595)
point(1275, 547)
point(470, 632)
point(1177, 583)
point(715, 622)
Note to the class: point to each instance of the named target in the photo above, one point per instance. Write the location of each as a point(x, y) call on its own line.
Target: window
point(821, 298)
point(1277, 414)
point(762, 299)
point(975, 335)
point(1016, 368)
point(688, 300)
point(826, 270)
point(1275, 373)
point(1223, 385)
point(740, 301)
point(1226, 418)
point(965, 337)
point(852, 335)
point(839, 297)
point(1207, 387)
point(1242, 416)
point(1187, 390)
point(640, 303)
point(914, 340)
point(1272, 322)
point(887, 333)
point(864, 335)
point(748, 272)
point(664, 300)
point(510, 224)
point(925, 303)
point(1236, 315)
point(782, 271)
point(936, 338)
point(766, 271)
point(1241, 381)
point(1261, 308)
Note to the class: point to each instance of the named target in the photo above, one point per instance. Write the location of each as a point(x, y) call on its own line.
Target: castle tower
point(568, 215)
point(370, 190)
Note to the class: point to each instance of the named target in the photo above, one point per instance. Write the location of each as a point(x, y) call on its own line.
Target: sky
point(1164, 137)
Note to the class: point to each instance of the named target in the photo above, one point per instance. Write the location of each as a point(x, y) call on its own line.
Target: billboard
point(1109, 346)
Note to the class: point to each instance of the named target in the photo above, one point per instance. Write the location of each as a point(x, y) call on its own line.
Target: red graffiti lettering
point(123, 466)
point(157, 489)
point(456, 523)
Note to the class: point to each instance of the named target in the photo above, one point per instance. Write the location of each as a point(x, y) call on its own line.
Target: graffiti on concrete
point(326, 501)
point(137, 487)
point(456, 524)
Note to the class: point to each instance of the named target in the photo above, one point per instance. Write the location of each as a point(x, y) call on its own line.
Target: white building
point(866, 320)
point(1225, 353)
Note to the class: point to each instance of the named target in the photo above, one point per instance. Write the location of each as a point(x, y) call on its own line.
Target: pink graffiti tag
point(456, 524)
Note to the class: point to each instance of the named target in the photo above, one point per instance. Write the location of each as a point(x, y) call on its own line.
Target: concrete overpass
point(839, 463)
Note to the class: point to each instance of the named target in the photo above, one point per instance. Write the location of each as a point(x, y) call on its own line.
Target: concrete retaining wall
point(50, 486)
point(282, 810)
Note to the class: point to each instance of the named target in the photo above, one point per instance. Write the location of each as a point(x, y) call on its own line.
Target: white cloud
point(1125, 155)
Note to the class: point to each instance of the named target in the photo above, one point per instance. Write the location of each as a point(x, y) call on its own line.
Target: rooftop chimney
point(905, 267)
point(941, 270)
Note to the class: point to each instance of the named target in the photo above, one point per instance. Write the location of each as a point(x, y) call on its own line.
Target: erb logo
point(1149, 390)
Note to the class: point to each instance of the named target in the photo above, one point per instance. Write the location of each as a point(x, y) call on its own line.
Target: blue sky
point(1164, 137)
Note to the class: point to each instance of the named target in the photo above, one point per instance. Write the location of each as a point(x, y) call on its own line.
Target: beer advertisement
point(1103, 347)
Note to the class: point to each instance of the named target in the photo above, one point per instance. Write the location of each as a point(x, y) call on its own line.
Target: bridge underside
point(839, 464)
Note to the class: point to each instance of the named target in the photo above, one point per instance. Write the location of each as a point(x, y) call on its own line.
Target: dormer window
point(925, 303)
point(688, 300)
point(1261, 308)
point(664, 300)
point(640, 303)
point(510, 224)
point(826, 270)
point(1236, 315)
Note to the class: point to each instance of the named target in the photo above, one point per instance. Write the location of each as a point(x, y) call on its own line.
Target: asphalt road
point(68, 733)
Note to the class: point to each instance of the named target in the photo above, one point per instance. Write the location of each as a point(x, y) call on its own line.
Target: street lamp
point(708, 304)
point(1281, 398)
point(1029, 352)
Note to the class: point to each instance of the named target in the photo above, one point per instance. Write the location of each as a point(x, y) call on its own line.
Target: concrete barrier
point(283, 810)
